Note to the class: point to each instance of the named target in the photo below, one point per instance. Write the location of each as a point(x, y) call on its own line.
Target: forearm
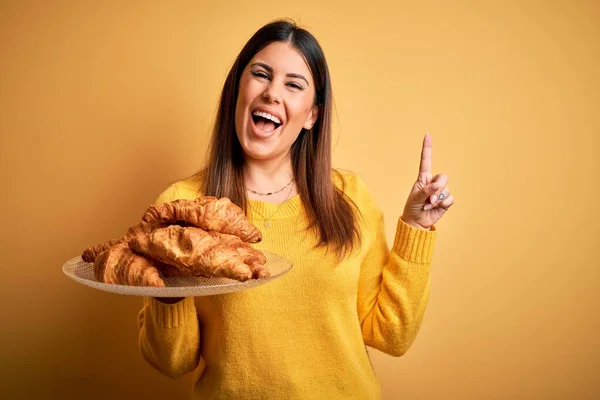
point(394, 321)
point(169, 336)
point(394, 300)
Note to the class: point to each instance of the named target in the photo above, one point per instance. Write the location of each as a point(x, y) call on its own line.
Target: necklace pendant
point(268, 224)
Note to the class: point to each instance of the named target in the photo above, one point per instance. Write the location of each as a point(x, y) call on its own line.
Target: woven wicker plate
point(83, 272)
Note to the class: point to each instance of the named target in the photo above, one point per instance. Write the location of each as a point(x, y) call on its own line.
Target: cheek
point(299, 113)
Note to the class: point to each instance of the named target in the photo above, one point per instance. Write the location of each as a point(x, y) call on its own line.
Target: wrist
point(415, 224)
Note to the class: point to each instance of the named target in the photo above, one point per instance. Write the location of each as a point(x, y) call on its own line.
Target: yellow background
point(103, 103)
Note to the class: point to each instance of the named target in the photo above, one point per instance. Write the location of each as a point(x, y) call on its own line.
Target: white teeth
point(267, 116)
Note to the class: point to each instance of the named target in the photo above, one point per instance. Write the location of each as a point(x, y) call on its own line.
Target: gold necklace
point(268, 223)
point(270, 193)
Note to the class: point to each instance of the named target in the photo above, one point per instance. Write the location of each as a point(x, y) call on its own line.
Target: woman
point(303, 335)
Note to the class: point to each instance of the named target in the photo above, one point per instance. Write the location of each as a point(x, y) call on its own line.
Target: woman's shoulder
point(185, 189)
point(353, 186)
point(342, 178)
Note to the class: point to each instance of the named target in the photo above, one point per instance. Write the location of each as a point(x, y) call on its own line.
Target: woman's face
point(275, 101)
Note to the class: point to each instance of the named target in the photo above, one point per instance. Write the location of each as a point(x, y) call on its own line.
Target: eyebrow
point(270, 70)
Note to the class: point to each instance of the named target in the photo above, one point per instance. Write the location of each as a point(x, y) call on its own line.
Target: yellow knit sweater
point(303, 335)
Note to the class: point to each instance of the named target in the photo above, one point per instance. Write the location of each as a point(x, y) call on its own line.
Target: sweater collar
point(273, 212)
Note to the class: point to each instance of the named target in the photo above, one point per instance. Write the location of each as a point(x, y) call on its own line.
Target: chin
point(260, 151)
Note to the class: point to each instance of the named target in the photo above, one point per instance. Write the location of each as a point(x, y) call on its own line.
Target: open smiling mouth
point(265, 122)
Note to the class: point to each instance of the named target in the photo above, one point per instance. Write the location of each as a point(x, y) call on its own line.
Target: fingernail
point(427, 207)
point(434, 198)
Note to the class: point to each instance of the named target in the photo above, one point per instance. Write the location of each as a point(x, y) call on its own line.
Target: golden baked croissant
point(251, 256)
point(90, 254)
point(121, 266)
point(193, 251)
point(254, 258)
point(207, 213)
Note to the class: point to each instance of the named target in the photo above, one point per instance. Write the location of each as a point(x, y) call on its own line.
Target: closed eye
point(295, 86)
point(260, 74)
point(264, 75)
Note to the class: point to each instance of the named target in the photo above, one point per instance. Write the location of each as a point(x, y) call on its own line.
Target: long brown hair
point(330, 212)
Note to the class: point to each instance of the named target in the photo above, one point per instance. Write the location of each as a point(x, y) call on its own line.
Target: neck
point(269, 175)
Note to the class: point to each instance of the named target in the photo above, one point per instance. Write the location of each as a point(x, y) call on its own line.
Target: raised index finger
point(426, 155)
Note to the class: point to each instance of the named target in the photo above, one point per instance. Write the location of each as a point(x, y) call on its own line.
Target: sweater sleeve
point(169, 334)
point(394, 285)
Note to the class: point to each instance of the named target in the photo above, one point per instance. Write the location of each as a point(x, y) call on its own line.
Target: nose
point(271, 93)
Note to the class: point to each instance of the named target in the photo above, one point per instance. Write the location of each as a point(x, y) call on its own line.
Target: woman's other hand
point(430, 196)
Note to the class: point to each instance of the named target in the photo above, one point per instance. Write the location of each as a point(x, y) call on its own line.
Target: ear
point(312, 118)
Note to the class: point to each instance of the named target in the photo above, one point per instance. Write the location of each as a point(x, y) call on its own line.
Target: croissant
point(254, 258)
point(251, 256)
point(192, 251)
point(90, 254)
point(207, 213)
point(121, 266)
